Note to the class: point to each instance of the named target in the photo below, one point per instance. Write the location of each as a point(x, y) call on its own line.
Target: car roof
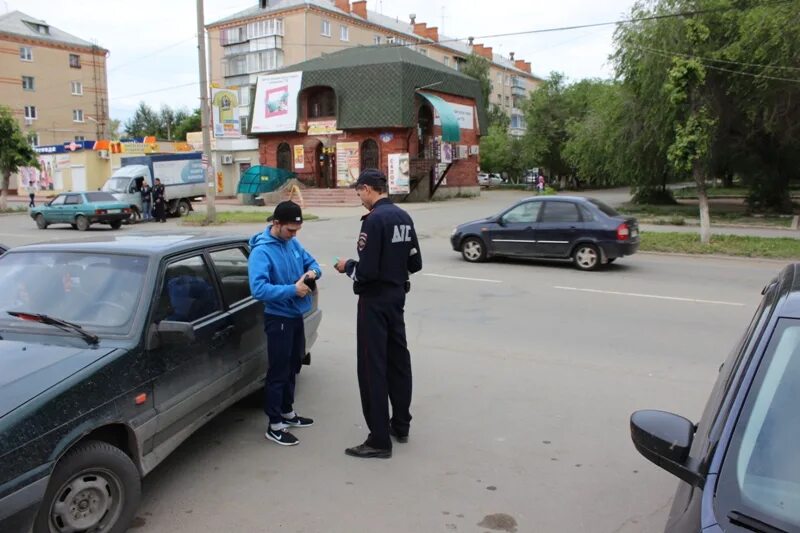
point(148, 244)
point(788, 297)
point(558, 198)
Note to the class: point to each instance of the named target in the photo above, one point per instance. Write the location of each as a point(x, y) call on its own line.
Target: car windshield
point(605, 208)
point(761, 473)
point(117, 185)
point(91, 289)
point(100, 197)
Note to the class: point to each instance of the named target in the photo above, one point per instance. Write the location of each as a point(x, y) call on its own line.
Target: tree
point(144, 122)
point(15, 152)
point(113, 129)
point(167, 123)
point(546, 115)
point(495, 150)
point(478, 67)
point(189, 122)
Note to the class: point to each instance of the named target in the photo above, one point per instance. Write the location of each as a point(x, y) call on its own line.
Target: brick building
point(355, 108)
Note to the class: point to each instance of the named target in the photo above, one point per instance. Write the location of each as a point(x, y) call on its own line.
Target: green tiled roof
point(375, 85)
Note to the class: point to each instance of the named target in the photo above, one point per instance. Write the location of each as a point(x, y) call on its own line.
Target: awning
point(260, 179)
point(450, 129)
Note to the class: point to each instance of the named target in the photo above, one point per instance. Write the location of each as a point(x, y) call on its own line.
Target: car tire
point(586, 256)
point(82, 223)
point(98, 478)
point(116, 224)
point(184, 208)
point(41, 223)
point(473, 250)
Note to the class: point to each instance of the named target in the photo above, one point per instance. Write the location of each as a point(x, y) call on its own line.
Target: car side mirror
point(665, 439)
point(174, 333)
point(501, 221)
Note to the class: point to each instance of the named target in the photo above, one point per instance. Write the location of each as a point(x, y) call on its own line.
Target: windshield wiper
point(753, 524)
point(63, 325)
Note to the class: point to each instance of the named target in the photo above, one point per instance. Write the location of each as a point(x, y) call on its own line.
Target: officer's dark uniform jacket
point(388, 251)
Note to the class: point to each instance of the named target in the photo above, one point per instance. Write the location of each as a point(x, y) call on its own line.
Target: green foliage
point(478, 67)
point(167, 124)
point(738, 245)
point(187, 123)
point(15, 150)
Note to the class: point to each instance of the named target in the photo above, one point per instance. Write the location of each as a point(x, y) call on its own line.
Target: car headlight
point(455, 230)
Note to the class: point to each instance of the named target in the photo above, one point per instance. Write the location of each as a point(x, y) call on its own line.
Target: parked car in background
point(81, 210)
point(739, 468)
point(488, 179)
point(113, 352)
point(584, 230)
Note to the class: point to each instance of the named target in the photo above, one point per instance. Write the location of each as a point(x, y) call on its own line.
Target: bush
point(654, 197)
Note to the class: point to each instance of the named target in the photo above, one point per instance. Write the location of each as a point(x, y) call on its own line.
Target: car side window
point(74, 199)
point(560, 212)
point(187, 292)
point(58, 200)
point(587, 215)
point(526, 213)
point(231, 267)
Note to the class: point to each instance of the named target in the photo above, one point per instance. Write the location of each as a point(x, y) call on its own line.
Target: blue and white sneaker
point(298, 422)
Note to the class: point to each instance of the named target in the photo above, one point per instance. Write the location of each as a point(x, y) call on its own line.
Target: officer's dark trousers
point(286, 344)
point(384, 366)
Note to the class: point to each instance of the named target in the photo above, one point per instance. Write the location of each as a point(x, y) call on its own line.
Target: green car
point(81, 210)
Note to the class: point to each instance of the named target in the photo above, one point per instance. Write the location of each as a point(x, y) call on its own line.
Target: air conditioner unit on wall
point(227, 159)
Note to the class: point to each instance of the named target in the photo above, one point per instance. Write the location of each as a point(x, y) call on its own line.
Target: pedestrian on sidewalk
point(31, 194)
point(283, 275)
point(388, 251)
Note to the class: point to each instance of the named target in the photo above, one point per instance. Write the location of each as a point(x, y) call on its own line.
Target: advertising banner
point(180, 171)
point(322, 127)
point(275, 106)
point(348, 164)
point(399, 182)
point(299, 157)
point(225, 113)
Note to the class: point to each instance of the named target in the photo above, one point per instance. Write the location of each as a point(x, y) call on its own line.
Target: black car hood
point(478, 221)
point(28, 369)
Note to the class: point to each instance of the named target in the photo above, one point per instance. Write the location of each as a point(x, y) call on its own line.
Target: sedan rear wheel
point(586, 256)
point(41, 223)
point(473, 250)
point(82, 223)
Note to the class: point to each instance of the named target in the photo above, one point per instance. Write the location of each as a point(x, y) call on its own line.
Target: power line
point(726, 61)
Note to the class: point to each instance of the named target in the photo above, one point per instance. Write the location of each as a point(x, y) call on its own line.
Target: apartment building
point(273, 34)
point(54, 82)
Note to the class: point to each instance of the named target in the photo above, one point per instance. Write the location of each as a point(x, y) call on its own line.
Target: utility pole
point(205, 123)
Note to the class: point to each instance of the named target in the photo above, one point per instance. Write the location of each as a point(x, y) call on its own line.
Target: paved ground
point(525, 376)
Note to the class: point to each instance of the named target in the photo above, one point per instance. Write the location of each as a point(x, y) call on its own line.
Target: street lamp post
point(211, 210)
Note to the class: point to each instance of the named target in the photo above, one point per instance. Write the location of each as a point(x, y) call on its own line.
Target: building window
point(26, 53)
point(27, 83)
point(79, 138)
point(344, 33)
point(446, 61)
point(369, 154)
point(30, 112)
point(74, 61)
point(322, 103)
point(326, 27)
point(33, 139)
point(284, 157)
point(77, 88)
point(244, 95)
point(244, 120)
point(377, 39)
point(77, 115)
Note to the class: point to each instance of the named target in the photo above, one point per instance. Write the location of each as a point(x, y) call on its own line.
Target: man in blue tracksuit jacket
point(282, 275)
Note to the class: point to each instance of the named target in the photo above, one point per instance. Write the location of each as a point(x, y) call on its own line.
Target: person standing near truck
point(159, 202)
point(147, 200)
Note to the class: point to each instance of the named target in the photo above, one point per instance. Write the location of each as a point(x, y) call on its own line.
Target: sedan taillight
point(623, 232)
point(100, 212)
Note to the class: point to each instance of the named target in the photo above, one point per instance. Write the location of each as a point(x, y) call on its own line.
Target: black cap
point(287, 212)
point(372, 177)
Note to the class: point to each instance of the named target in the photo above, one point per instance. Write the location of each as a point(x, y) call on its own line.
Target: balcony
point(518, 90)
point(254, 45)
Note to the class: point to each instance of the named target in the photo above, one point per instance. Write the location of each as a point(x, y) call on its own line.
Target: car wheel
point(95, 487)
point(116, 224)
point(82, 223)
point(41, 223)
point(473, 250)
point(586, 256)
point(184, 208)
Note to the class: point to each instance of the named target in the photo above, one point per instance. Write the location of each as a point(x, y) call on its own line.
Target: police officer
point(388, 252)
point(159, 202)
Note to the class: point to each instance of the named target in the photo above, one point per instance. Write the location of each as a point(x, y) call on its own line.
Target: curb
point(721, 256)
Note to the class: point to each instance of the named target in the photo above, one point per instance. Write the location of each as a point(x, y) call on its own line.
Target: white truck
point(181, 174)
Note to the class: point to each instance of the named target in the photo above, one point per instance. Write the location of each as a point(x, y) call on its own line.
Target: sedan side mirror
point(665, 439)
point(501, 221)
point(175, 333)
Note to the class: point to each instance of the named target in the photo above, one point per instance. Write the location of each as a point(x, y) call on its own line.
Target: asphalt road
point(525, 377)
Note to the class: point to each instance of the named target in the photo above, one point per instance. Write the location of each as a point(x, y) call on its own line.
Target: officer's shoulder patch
point(362, 241)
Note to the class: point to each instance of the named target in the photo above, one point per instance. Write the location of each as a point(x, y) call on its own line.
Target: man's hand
point(340, 265)
point(311, 274)
point(301, 289)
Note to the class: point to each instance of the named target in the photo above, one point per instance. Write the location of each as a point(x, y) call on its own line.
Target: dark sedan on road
point(739, 466)
point(587, 231)
point(112, 352)
point(81, 210)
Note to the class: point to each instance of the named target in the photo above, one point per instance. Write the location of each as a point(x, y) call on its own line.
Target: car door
point(559, 227)
point(196, 374)
point(73, 206)
point(515, 232)
point(54, 212)
point(248, 341)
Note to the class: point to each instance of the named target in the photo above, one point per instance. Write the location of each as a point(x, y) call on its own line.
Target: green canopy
point(260, 179)
point(450, 130)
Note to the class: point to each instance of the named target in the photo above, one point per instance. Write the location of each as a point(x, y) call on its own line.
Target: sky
point(153, 43)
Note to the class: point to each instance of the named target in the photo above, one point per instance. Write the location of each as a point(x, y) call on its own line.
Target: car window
point(58, 200)
point(761, 473)
point(525, 213)
point(560, 212)
point(587, 215)
point(74, 199)
point(604, 208)
point(187, 292)
point(231, 267)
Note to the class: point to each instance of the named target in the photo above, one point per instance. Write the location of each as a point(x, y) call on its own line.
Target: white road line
point(465, 279)
point(653, 296)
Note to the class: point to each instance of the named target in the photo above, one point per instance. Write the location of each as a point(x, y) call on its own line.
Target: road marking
point(653, 296)
point(465, 279)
